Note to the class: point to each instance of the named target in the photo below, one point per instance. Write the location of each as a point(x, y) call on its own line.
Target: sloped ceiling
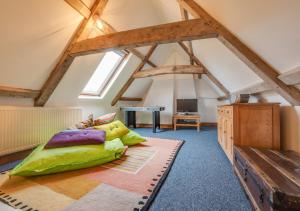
point(131, 14)
point(270, 27)
point(34, 34)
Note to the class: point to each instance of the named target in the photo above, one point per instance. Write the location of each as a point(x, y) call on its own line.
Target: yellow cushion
point(115, 129)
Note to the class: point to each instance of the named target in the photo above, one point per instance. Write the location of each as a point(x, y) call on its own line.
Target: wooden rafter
point(207, 72)
point(177, 69)
point(66, 59)
point(185, 16)
point(141, 56)
point(165, 33)
point(79, 6)
point(134, 51)
point(255, 62)
point(108, 29)
point(131, 79)
point(131, 99)
point(18, 92)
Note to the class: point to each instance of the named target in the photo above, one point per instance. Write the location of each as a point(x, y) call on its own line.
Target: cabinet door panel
point(229, 140)
point(256, 126)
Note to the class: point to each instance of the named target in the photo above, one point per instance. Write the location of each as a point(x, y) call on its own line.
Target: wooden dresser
point(249, 124)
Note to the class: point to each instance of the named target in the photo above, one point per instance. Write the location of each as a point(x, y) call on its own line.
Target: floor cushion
point(47, 161)
point(115, 129)
point(132, 138)
point(104, 119)
point(75, 138)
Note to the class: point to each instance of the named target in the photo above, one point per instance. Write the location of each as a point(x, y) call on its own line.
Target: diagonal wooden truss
point(171, 69)
point(249, 57)
point(131, 78)
point(66, 59)
point(185, 16)
point(207, 72)
point(194, 59)
point(203, 27)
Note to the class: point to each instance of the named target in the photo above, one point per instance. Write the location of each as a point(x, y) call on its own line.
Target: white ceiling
point(34, 34)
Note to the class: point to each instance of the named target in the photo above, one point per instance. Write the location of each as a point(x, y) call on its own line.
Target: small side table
point(186, 117)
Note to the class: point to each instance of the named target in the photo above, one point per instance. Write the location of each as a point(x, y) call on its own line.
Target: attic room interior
point(150, 105)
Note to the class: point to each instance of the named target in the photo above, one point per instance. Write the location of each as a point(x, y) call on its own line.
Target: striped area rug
point(129, 183)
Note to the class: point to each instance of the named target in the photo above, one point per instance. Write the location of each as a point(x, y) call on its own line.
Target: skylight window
point(104, 72)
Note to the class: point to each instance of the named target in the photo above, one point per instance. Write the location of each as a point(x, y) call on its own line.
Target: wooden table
point(186, 117)
point(130, 116)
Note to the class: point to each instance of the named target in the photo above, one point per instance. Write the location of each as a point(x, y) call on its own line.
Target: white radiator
point(25, 127)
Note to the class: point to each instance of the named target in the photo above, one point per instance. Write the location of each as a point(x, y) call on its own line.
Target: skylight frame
point(108, 77)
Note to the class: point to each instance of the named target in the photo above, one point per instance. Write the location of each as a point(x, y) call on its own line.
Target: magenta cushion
point(76, 137)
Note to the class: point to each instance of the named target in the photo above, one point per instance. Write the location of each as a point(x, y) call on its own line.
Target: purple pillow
point(76, 137)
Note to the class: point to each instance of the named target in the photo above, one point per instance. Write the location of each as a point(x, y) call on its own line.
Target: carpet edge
point(162, 180)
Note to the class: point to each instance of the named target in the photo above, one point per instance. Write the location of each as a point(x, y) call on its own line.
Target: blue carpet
point(201, 177)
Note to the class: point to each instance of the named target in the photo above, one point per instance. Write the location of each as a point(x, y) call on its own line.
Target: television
point(187, 105)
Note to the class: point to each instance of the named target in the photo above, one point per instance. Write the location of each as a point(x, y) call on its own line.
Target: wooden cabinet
point(177, 117)
point(254, 125)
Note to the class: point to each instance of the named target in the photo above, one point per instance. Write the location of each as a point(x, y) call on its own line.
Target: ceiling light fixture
point(98, 22)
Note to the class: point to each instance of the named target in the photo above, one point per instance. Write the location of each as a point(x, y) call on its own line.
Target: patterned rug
point(129, 183)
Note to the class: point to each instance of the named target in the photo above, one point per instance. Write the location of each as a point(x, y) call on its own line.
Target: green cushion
point(115, 129)
point(132, 138)
point(47, 161)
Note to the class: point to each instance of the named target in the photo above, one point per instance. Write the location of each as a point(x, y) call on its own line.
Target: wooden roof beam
point(165, 33)
point(80, 7)
point(66, 59)
point(207, 72)
point(185, 16)
point(18, 92)
point(255, 62)
point(133, 99)
point(141, 56)
point(134, 51)
point(131, 79)
point(176, 69)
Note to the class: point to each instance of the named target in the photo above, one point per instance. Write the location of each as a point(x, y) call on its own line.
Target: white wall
point(161, 93)
point(207, 100)
point(166, 89)
point(185, 87)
